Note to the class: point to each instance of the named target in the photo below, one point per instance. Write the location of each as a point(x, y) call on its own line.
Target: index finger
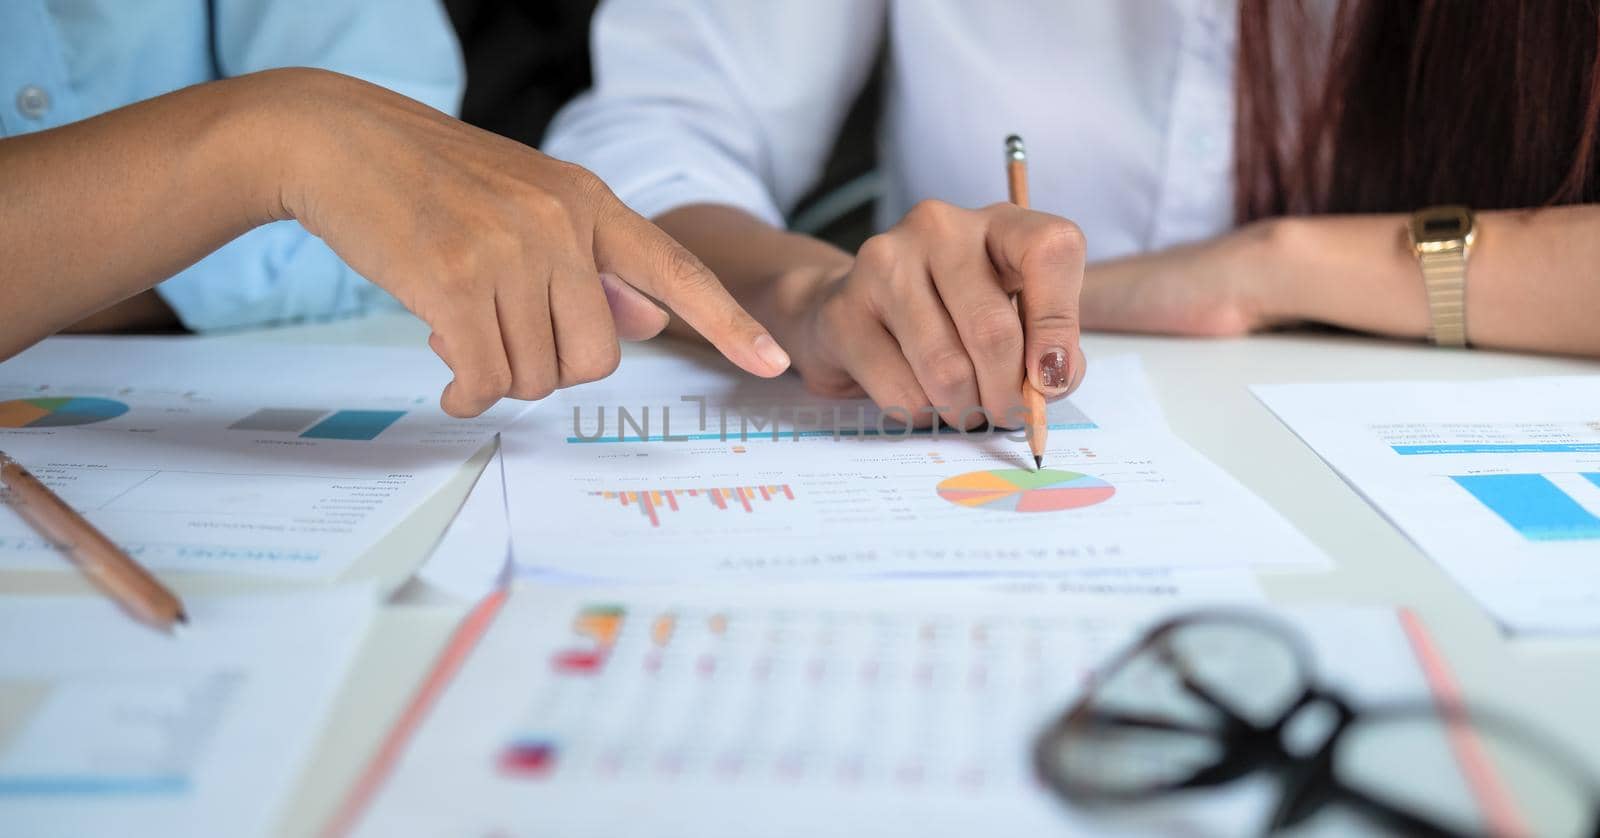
point(643, 256)
point(1041, 257)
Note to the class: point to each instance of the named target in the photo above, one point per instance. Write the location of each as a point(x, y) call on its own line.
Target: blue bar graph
point(1534, 506)
point(354, 424)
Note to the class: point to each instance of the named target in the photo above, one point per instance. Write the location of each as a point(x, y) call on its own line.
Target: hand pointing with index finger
point(498, 248)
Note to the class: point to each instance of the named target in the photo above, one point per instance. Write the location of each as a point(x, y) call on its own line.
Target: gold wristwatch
point(1442, 239)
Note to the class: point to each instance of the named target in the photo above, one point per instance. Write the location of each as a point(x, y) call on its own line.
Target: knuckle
point(587, 185)
point(458, 263)
point(931, 212)
point(1061, 242)
point(593, 364)
point(878, 255)
point(684, 272)
point(543, 206)
point(573, 173)
point(1053, 323)
point(996, 332)
point(947, 371)
point(532, 389)
point(493, 385)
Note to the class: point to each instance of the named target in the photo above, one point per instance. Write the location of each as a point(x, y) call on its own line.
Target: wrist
point(1270, 265)
point(272, 126)
point(225, 146)
point(1355, 272)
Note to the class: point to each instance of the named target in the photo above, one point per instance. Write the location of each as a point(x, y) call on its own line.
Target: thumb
point(1041, 257)
point(643, 256)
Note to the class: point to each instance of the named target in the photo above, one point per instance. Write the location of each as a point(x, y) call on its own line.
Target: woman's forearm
point(95, 212)
point(1531, 279)
point(769, 271)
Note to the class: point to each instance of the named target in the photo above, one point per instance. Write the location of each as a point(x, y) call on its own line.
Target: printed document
point(110, 728)
point(670, 470)
point(253, 459)
point(726, 712)
point(1498, 481)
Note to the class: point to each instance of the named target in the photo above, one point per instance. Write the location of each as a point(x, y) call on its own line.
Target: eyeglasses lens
point(1162, 716)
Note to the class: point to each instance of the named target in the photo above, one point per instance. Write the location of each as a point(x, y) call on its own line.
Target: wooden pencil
point(106, 565)
point(1038, 423)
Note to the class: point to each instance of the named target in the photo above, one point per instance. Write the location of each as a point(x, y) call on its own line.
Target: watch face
point(1437, 225)
point(1440, 227)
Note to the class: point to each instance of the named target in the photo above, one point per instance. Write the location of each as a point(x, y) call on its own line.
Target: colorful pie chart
point(59, 412)
point(1020, 490)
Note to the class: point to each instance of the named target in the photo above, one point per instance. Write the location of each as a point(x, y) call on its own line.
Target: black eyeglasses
point(1206, 699)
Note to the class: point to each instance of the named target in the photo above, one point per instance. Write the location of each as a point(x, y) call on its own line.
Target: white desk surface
point(1202, 385)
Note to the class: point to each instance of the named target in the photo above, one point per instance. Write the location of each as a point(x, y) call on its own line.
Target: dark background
point(526, 58)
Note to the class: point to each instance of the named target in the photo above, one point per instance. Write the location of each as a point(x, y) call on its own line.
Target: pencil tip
point(1038, 462)
point(182, 618)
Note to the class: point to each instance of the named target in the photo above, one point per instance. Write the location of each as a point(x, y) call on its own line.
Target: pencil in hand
point(1038, 423)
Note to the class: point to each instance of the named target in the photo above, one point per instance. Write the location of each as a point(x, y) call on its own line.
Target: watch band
point(1444, 276)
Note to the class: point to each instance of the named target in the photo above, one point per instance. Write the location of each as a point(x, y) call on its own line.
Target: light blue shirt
point(66, 60)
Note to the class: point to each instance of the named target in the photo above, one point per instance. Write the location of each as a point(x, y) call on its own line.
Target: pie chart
point(58, 412)
point(1020, 490)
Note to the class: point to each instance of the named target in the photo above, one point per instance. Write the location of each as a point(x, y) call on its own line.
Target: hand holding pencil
point(923, 319)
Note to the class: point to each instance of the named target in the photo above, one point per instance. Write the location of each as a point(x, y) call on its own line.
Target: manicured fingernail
point(771, 353)
point(1053, 372)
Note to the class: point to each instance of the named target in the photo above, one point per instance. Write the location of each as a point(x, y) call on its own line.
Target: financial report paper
point(255, 459)
point(672, 470)
point(1497, 481)
point(729, 712)
point(109, 728)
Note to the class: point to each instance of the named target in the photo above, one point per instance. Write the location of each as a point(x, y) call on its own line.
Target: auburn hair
point(1394, 105)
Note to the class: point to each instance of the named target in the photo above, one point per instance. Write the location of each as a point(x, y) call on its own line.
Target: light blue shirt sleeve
point(66, 60)
point(280, 273)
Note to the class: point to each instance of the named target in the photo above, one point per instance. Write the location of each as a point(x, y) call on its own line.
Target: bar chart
point(652, 502)
point(1538, 507)
point(320, 423)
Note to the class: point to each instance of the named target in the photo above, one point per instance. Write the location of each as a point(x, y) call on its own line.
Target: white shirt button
point(33, 102)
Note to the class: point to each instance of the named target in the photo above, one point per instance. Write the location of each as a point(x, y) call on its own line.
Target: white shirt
point(1126, 106)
